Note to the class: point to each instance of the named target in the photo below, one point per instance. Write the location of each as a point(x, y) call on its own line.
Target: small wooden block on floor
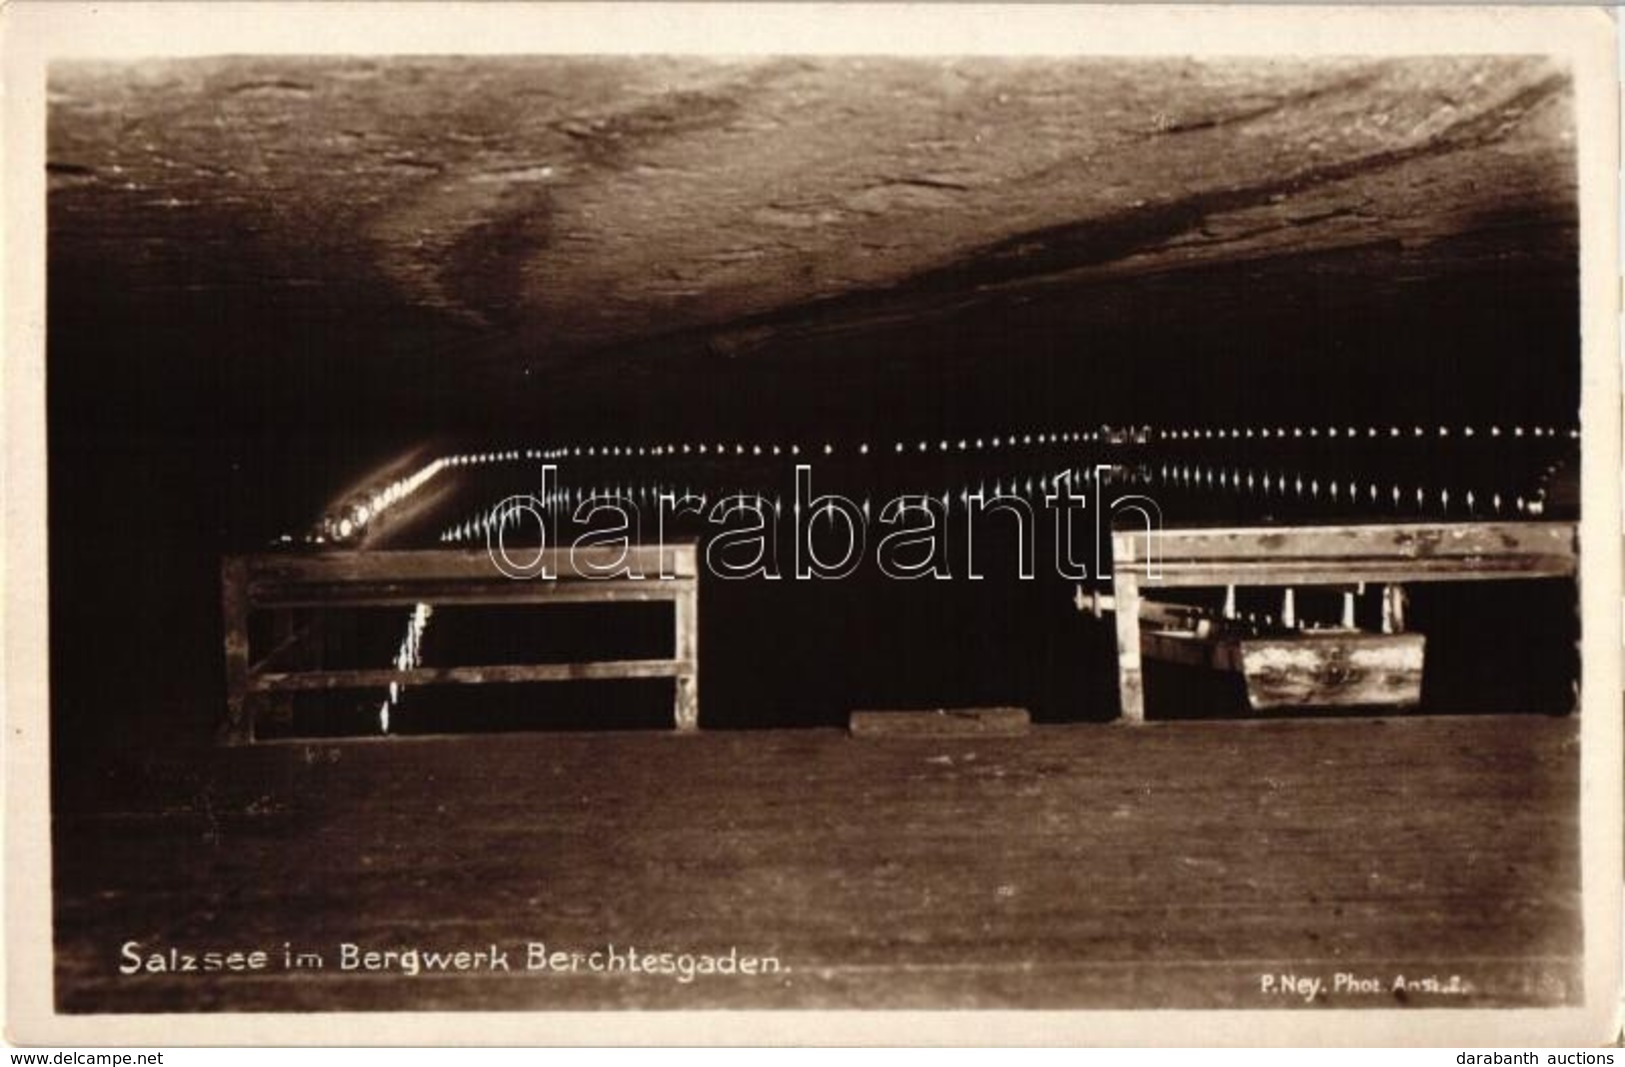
point(941, 722)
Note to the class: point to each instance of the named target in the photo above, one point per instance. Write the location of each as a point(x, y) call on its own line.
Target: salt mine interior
point(341, 308)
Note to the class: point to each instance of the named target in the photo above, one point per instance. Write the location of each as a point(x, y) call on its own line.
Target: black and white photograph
point(946, 510)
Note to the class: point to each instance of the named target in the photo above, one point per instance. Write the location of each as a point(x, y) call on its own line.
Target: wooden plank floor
point(1074, 867)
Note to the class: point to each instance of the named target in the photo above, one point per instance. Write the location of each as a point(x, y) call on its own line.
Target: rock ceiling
point(509, 221)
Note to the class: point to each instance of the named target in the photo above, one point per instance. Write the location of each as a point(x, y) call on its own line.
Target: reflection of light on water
point(408, 656)
point(1304, 481)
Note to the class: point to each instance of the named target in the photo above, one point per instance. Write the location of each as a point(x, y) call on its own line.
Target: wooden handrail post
point(239, 728)
point(1131, 685)
point(686, 608)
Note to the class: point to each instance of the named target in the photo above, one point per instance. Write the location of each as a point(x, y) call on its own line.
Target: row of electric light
point(1354, 432)
point(351, 521)
point(480, 459)
point(408, 656)
point(1000, 441)
point(1232, 480)
point(862, 448)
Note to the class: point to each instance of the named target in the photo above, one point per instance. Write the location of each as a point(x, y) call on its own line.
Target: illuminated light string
point(352, 521)
point(1299, 485)
point(828, 448)
point(1120, 435)
point(1311, 488)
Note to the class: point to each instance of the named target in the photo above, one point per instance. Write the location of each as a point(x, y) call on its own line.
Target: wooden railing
point(1391, 556)
point(284, 584)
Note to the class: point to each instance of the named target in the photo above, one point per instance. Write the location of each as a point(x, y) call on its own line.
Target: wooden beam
point(608, 670)
point(239, 728)
point(1386, 541)
point(449, 593)
point(1130, 679)
point(1267, 570)
point(686, 618)
point(424, 565)
point(1336, 555)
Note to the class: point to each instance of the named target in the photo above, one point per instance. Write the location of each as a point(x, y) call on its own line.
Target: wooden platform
point(1087, 866)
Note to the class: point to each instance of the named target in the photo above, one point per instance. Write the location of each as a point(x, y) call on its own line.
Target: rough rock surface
point(586, 218)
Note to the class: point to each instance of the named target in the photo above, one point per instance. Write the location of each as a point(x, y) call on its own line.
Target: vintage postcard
point(795, 523)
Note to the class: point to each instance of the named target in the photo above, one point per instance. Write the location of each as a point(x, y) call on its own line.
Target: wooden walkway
point(1074, 867)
